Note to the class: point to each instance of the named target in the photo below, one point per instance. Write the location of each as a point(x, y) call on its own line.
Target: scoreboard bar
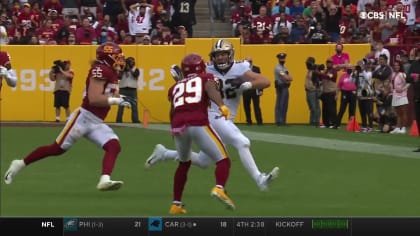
point(219, 226)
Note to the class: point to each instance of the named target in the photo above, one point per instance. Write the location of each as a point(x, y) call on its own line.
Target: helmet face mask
point(111, 54)
point(222, 54)
point(192, 64)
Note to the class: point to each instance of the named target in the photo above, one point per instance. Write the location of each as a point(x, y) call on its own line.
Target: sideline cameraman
point(382, 87)
point(329, 95)
point(128, 87)
point(312, 88)
point(365, 94)
point(63, 77)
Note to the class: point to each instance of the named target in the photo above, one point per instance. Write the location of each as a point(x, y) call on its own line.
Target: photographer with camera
point(63, 77)
point(383, 91)
point(128, 88)
point(312, 88)
point(365, 94)
point(329, 95)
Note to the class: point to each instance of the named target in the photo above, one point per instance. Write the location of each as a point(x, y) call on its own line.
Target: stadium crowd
point(164, 22)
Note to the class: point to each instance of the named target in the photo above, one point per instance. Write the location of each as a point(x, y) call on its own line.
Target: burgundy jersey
point(189, 101)
point(4, 58)
point(102, 72)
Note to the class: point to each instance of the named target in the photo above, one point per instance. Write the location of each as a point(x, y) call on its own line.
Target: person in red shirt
point(190, 98)
point(88, 120)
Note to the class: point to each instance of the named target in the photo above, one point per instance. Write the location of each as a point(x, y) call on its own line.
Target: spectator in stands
point(180, 35)
point(65, 30)
point(70, 8)
point(50, 5)
point(219, 7)
point(283, 37)
point(112, 8)
point(56, 20)
point(279, 21)
point(280, 6)
point(341, 60)
point(46, 32)
point(71, 39)
point(24, 21)
point(33, 40)
point(298, 33)
point(313, 13)
point(243, 16)
point(256, 5)
point(184, 17)
point(297, 8)
point(379, 50)
point(146, 40)
point(86, 35)
point(332, 19)
point(362, 3)
point(244, 34)
point(91, 4)
point(140, 19)
point(317, 35)
point(261, 27)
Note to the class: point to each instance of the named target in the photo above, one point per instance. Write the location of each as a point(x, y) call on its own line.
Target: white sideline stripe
point(323, 143)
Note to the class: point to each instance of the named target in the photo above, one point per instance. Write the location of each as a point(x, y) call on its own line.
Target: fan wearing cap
point(282, 84)
point(24, 20)
point(341, 60)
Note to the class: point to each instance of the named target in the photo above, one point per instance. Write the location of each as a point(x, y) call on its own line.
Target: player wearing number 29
point(190, 97)
point(88, 120)
point(236, 77)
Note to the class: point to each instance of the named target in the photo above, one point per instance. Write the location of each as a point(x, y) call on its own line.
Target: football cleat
point(177, 209)
point(15, 167)
point(106, 184)
point(157, 155)
point(265, 179)
point(221, 195)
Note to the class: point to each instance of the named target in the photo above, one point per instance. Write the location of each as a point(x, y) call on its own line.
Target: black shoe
point(417, 150)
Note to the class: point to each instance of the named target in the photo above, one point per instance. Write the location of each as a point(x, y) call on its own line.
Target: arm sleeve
point(11, 78)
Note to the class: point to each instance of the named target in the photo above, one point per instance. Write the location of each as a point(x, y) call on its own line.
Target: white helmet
point(222, 45)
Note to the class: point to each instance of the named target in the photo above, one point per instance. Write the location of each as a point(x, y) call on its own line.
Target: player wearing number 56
point(235, 77)
point(190, 97)
point(88, 120)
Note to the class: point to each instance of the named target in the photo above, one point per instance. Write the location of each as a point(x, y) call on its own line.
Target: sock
point(112, 149)
point(180, 179)
point(248, 162)
point(222, 171)
point(43, 152)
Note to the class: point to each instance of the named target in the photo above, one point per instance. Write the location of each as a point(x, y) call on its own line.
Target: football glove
point(246, 86)
point(121, 101)
point(3, 71)
point(224, 110)
point(176, 73)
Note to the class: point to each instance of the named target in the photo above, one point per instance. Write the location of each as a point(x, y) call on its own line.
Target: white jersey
point(231, 95)
point(139, 24)
point(410, 10)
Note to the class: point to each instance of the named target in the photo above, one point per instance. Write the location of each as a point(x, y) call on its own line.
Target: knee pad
point(113, 146)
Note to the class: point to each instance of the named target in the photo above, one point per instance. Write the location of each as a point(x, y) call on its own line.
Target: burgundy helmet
point(192, 64)
point(111, 54)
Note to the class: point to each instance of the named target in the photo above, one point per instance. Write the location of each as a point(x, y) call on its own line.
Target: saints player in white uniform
point(235, 78)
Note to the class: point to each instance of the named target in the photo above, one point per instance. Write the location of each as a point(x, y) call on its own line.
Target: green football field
point(323, 172)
